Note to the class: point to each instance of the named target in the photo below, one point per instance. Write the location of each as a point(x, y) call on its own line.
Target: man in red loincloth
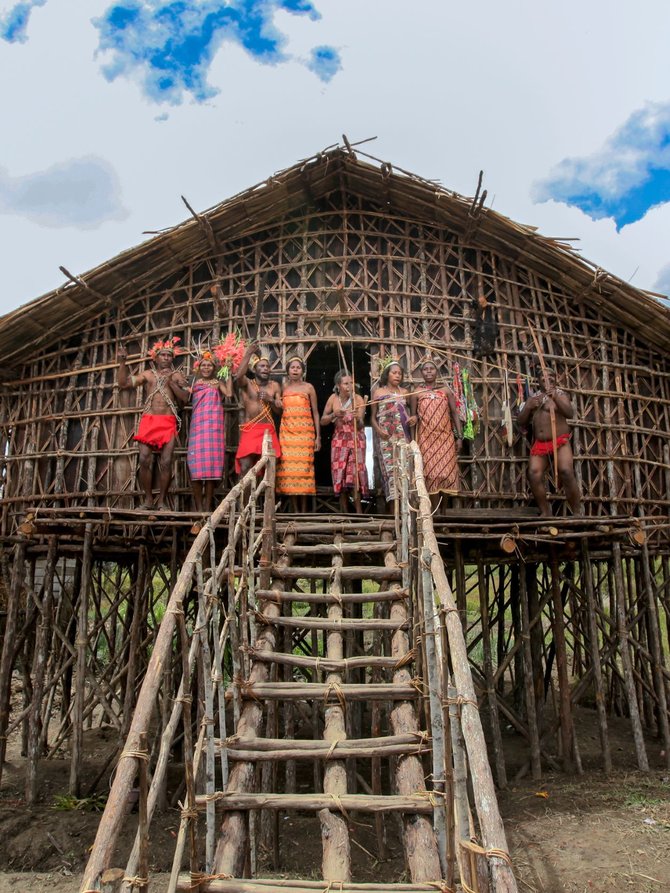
point(261, 397)
point(165, 390)
point(538, 409)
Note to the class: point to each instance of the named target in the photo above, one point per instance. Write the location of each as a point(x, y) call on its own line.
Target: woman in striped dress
point(299, 437)
point(206, 439)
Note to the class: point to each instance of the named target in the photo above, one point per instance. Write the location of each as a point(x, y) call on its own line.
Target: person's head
point(164, 358)
point(392, 375)
point(206, 364)
point(262, 369)
point(547, 379)
point(164, 352)
point(429, 371)
point(343, 383)
point(295, 369)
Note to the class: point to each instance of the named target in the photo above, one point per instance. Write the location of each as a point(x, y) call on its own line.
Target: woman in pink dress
point(206, 438)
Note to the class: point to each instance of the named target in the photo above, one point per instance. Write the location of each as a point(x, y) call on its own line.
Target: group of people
point(429, 414)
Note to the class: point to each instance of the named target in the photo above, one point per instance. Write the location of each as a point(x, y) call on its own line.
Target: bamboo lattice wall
point(346, 269)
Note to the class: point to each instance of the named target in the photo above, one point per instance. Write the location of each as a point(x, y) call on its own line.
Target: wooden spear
point(552, 411)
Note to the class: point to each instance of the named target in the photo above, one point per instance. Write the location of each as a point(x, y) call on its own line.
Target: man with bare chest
point(538, 409)
point(165, 390)
point(261, 398)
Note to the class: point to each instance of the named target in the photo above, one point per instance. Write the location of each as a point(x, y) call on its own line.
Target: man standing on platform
point(261, 398)
point(550, 438)
point(165, 389)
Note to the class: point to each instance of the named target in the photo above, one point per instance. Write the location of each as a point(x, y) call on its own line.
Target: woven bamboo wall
point(346, 269)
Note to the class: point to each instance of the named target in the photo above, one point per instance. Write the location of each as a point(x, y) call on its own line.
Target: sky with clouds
point(113, 110)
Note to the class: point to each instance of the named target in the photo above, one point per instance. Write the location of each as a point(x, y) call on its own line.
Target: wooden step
point(346, 623)
point(325, 598)
point(354, 572)
point(367, 548)
point(328, 692)
point(290, 885)
point(325, 664)
point(414, 803)
point(259, 749)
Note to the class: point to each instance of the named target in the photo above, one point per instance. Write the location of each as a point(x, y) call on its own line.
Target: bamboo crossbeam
point(328, 692)
point(234, 801)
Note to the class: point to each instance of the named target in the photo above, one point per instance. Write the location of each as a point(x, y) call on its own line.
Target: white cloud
point(81, 193)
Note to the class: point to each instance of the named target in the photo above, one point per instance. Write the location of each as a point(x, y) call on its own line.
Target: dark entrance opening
point(324, 362)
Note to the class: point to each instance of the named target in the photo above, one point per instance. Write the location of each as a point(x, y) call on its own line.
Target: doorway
point(324, 362)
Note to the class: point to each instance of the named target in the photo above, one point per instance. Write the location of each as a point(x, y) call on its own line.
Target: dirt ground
point(588, 834)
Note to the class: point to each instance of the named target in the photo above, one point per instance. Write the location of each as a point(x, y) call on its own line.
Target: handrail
point(445, 617)
point(191, 571)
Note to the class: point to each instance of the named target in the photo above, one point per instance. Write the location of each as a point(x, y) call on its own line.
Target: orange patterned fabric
point(295, 474)
point(436, 442)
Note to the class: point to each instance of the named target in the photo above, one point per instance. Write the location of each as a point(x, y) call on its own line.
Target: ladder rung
point(325, 598)
point(281, 885)
point(342, 549)
point(250, 749)
point(354, 572)
point(324, 691)
point(412, 803)
point(329, 665)
point(346, 623)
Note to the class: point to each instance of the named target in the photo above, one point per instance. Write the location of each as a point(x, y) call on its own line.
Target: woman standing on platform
point(439, 434)
point(206, 439)
point(390, 420)
point(346, 411)
point(299, 436)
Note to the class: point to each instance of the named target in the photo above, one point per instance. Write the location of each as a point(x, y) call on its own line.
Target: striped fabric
point(295, 474)
point(206, 443)
point(436, 442)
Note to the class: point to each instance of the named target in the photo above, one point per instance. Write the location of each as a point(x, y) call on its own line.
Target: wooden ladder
point(334, 646)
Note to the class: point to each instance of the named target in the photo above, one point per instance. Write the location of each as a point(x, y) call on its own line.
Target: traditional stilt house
point(343, 259)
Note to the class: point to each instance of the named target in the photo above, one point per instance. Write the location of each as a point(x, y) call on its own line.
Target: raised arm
point(241, 374)
point(226, 387)
point(124, 378)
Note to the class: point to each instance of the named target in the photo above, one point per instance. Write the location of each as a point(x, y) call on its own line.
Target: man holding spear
point(549, 411)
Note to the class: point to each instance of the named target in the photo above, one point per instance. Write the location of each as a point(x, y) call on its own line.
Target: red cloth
point(251, 441)
point(546, 447)
point(156, 430)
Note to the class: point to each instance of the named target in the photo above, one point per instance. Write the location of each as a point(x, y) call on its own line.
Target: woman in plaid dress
point(206, 439)
point(346, 412)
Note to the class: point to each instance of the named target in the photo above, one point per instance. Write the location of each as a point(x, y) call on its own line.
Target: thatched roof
point(340, 168)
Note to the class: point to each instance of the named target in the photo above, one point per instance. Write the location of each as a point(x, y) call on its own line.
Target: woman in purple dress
point(206, 439)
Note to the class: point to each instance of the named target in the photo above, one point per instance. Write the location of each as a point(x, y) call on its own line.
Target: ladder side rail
point(115, 811)
point(486, 804)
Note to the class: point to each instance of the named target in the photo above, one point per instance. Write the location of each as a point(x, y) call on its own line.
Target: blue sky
point(116, 109)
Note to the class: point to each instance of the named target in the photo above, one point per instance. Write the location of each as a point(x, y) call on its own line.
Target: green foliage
point(67, 803)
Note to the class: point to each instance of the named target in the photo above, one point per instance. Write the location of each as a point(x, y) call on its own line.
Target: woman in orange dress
point(299, 436)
